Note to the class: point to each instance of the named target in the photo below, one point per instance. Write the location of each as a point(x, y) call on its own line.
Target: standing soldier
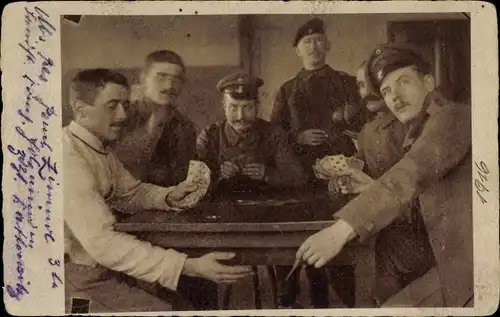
point(311, 108)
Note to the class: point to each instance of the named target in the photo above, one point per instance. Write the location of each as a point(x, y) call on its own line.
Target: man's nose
point(168, 84)
point(240, 114)
point(121, 113)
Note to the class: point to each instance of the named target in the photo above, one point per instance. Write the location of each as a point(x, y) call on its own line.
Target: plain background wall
point(353, 37)
point(210, 46)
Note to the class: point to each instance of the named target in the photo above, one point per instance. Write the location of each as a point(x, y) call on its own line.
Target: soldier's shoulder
point(288, 83)
point(212, 128)
point(270, 128)
point(443, 107)
point(344, 76)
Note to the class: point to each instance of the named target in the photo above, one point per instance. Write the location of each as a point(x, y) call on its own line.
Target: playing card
point(319, 174)
point(319, 171)
point(199, 175)
point(356, 163)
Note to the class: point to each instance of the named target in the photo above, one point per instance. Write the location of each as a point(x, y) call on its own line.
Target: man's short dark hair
point(87, 83)
point(164, 56)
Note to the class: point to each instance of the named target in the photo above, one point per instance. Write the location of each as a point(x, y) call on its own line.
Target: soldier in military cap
point(402, 249)
point(243, 151)
point(311, 105)
point(435, 171)
point(311, 108)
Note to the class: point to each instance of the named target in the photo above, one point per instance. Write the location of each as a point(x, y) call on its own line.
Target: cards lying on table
point(199, 175)
point(331, 165)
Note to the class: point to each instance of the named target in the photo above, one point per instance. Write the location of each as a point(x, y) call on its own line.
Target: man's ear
point(297, 51)
point(429, 82)
point(328, 45)
point(79, 108)
point(142, 76)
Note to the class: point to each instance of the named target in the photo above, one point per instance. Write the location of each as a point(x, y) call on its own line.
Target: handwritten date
point(481, 180)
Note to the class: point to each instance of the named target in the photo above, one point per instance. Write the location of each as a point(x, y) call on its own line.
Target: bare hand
point(333, 185)
point(179, 192)
point(255, 171)
point(338, 115)
point(228, 170)
point(312, 137)
point(350, 112)
point(323, 246)
point(209, 268)
point(354, 181)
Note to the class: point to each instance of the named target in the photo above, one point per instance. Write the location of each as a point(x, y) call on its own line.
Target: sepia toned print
point(256, 162)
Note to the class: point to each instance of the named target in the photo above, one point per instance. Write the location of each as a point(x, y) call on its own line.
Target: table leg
point(225, 296)
point(272, 281)
point(256, 288)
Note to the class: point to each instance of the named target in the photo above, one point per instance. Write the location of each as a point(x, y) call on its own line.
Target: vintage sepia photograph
point(258, 161)
point(340, 142)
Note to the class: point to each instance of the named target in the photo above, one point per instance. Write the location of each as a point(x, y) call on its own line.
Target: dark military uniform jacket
point(164, 160)
point(308, 101)
point(265, 143)
point(436, 170)
point(380, 143)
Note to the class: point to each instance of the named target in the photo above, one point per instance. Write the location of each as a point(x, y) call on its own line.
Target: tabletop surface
point(278, 210)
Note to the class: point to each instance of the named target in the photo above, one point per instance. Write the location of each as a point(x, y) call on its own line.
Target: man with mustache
point(159, 141)
point(243, 151)
point(311, 108)
point(435, 172)
point(402, 249)
point(98, 189)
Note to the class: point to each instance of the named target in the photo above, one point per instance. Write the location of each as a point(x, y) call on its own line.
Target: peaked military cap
point(389, 57)
point(310, 27)
point(240, 85)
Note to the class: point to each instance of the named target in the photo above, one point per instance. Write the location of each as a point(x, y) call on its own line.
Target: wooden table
point(262, 229)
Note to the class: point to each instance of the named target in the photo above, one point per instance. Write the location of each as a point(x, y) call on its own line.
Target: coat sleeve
point(167, 169)
point(207, 150)
point(288, 171)
point(280, 113)
point(90, 220)
point(444, 143)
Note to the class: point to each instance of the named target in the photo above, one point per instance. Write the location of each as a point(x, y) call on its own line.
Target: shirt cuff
point(362, 234)
point(172, 269)
point(159, 201)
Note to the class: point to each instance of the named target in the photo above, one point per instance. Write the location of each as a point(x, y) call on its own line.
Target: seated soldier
point(97, 189)
point(246, 153)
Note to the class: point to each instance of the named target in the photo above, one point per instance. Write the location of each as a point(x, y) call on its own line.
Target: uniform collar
point(234, 137)
point(432, 105)
point(148, 106)
point(308, 72)
point(87, 137)
point(385, 118)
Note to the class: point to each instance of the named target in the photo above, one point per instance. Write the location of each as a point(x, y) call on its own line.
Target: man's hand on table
point(255, 171)
point(209, 268)
point(323, 246)
point(228, 170)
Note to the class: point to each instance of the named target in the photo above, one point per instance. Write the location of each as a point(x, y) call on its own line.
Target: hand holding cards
point(193, 189)
point(330, 166)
